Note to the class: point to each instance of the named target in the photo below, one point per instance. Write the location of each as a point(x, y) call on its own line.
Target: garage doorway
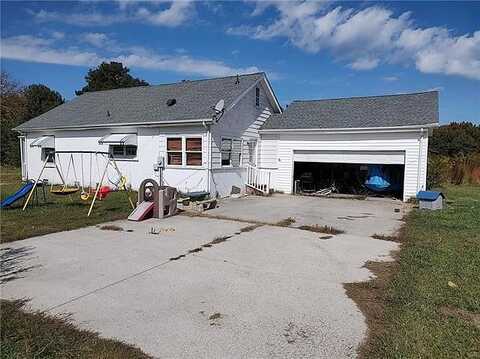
point(350, 179)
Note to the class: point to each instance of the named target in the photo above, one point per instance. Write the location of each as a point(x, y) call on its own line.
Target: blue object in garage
point(377, 179)
point(430, 200)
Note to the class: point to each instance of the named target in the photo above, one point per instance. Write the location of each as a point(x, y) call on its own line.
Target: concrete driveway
point(267, 292)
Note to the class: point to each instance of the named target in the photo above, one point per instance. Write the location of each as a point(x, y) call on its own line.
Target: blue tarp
point(377, 180)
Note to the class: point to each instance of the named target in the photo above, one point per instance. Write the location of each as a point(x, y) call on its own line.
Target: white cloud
point(43, 50)
point(30, 49)
point(78, 19)
point(175, 14)
point(368, 37)
point(96, 39)
point(364, 64)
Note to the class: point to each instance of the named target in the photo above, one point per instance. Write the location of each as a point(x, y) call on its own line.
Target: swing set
point(98, 191)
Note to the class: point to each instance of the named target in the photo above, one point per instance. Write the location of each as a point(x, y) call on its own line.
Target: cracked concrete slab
point(269, 292)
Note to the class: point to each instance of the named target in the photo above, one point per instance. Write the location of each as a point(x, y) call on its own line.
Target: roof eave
point(356, 130)
point(110, 125)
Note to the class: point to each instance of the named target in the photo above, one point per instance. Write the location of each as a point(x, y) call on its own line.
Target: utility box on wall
point(430, 200)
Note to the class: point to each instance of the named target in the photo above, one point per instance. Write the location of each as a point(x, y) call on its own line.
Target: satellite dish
point(219, 107)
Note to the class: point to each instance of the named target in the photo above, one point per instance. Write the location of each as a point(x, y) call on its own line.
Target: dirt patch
point(326, 237)
point(465, 315)
point(321, 229)
point(293, 333)
point(286, 222)
point(215, 316)
point(250, 228)
point(111, 227)
point(177, 257)
point(220, 240)
point(371, 297)
point(384, 237)
point(195, 250)
point(215, 319)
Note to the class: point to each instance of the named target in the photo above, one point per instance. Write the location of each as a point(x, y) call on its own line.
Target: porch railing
point(258, 179)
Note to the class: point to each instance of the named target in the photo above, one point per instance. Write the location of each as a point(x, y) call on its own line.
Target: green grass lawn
point(57, 214)
point(432, 307)
point(27, 334)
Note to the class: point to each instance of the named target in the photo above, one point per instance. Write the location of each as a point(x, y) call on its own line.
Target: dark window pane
point(131, 150)
point(194, 159)
point(117, 150)
point(174, 144)
point(46, 151)
point(226, 158)
point(175, 158)
point(194, 144)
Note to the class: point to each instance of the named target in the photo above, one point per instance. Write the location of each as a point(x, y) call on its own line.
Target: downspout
point(209, 157)
point(420, 159)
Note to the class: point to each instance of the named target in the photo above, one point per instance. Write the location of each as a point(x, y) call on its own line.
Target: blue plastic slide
point(22, 192)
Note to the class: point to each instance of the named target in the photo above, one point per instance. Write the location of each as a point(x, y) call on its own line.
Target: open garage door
point(349, 172)
point(360, 157)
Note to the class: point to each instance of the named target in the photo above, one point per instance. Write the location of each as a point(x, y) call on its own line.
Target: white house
point(173, 133)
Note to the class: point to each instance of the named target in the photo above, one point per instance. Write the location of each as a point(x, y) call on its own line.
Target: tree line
point(22, 103)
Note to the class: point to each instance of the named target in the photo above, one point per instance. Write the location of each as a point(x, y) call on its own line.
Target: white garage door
point(360, 157)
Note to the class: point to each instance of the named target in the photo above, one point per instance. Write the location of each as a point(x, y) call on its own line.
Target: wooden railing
point(258, 179)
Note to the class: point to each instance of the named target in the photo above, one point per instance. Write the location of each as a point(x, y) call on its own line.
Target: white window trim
point(184, 151)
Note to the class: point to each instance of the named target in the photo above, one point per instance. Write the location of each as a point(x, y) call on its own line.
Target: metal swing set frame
point(110, 161)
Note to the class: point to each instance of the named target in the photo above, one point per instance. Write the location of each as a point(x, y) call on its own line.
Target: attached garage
point(341, 141)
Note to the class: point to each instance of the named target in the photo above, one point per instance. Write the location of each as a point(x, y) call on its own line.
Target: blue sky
point(310, 50)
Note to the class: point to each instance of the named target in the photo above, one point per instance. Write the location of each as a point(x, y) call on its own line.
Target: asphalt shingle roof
point(359, 112)
point(194, 100)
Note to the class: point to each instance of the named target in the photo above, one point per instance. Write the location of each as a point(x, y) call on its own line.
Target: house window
point(226, 149)
point(174, 151)
point(252, 146)
point(257, 96)
point(48, 152)
point(194, 151)
point(231, 150)
point(123, 151)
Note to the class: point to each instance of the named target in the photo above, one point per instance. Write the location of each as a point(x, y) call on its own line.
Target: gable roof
point(145, 104)
point(359, 112)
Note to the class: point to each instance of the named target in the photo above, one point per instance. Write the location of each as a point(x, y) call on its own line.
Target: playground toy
point(154, 201)
point(99, 191)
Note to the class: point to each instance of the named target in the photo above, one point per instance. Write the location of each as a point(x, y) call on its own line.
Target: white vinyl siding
point(409, 143)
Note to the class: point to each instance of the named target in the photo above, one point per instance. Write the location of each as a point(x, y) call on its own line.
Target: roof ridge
point(360, 97)
point(176, 83)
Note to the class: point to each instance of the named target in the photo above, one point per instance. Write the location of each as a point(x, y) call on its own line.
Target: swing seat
point(64, 191)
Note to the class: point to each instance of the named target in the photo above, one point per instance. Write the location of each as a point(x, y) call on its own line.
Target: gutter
point(124, 124)
point(347, 130)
